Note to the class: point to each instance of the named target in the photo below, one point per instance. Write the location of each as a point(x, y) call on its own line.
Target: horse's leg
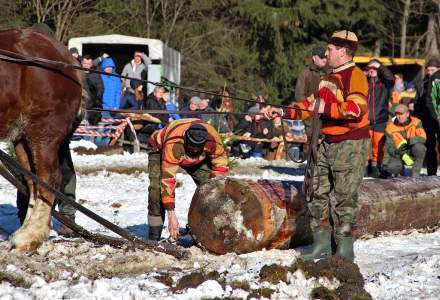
point(25, 203)
point(36, 229)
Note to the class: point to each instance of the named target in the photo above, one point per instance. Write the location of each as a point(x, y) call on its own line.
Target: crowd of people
point(403, 120)
point(111, 93)
point(403, 116)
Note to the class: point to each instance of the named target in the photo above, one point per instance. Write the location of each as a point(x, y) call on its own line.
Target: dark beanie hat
point(433, 62)
point(196, 135)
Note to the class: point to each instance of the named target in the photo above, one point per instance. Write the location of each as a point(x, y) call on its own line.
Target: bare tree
point(58, 12)
point(404, 24)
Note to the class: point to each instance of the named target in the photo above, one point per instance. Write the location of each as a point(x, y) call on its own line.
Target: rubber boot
point(66, 231)
point(375, 172)
point(321, 244)
point(155, 232)
point(344, 241)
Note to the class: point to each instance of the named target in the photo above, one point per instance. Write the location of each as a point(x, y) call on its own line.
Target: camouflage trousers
point(156, 213)
point(340, 170)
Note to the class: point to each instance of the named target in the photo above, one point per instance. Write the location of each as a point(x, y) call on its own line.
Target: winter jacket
point(135, 71)
point(307, 82)
point(397, 134)
point(170, 142)
point(111, 97)
point(151, 103)
point(428, 102)
point(345, 115)
point(379, 95)
point(95, 89)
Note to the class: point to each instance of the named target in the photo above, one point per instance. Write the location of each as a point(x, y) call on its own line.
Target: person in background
point(195, 147)
point(154, 101)
point(307, 84)
point(134, 69)
point(405, 142)
point(170, 106)
point(95, 90)
point(193, 106)
point(380, 84)
point(111, 99)
point(427, 109)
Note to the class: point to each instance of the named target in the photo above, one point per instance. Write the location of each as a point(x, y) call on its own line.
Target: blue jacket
point(111, 97)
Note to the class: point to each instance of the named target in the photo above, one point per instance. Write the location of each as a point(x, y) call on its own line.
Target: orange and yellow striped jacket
point(170, 142)
point(344, 93)
point(397, 134)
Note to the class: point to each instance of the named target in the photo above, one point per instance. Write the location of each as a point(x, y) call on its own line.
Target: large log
point(240, 215)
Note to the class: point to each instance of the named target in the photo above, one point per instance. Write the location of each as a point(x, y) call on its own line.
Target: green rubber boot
point(321, 244)
point(344, 241)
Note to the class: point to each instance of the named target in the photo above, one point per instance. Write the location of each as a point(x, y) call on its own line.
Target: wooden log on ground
point(240, 215)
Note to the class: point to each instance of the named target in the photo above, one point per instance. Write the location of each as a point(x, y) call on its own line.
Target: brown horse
point(39, 106)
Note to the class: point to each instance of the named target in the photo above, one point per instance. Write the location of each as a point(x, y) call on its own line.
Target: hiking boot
point(321, 244)
point(155, 232)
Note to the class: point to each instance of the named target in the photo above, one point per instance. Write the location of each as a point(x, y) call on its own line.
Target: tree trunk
point(376, 49)
point(404, 27)
point(431, 48)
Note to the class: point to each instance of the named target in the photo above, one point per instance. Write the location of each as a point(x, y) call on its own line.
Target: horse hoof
point(24, 242)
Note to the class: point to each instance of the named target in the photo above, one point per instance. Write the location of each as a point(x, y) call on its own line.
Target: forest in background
point(251, 46)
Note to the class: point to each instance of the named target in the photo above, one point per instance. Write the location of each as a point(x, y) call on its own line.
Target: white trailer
point(166, 61)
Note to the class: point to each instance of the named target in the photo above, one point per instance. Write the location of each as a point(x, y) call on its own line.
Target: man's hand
point(273, 112)
point(173, 224)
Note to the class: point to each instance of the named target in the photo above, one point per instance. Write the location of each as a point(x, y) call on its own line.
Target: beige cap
point(401, 108)
point(344, 38)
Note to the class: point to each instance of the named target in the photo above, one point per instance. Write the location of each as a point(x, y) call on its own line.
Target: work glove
point(407, 159)
point(403, 147)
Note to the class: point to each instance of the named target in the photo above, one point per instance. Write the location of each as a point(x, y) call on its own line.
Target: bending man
point(192, 145)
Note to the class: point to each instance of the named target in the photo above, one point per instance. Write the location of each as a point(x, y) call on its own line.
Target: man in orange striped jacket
point(343, 150)
point(405, 142)
point(192, 145)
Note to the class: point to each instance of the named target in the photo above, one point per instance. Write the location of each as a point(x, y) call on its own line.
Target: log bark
point(239, 215)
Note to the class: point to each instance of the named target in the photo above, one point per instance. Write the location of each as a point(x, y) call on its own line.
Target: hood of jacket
point(108, 62)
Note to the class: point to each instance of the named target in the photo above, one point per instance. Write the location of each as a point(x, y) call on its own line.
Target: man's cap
point(409, 85)
point(372, 64)
point(319, 51)
point(196, 135)
point(433, 62)
point(401, 108)
point(344, 38)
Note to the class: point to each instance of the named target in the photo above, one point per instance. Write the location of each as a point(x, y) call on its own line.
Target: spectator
point(193, 106)
point(111, 98)
point(405, 140)
point(215, 120)
point(380, 84)
point(134, 69)
point(427, 108)
point(307, 83)
point(154, 101)
point(308, 80)
point(403, 93)
point(170, 106)
point(279, 128)
point(95, 90)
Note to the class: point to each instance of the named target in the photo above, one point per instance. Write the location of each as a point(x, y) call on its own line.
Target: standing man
point(344, 147)
point(192, 145)
point(428, 110)
point(308, 82)
point(95, 90)
point(380, 85)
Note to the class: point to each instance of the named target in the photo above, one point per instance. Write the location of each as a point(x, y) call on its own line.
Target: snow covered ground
point(394, 266)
